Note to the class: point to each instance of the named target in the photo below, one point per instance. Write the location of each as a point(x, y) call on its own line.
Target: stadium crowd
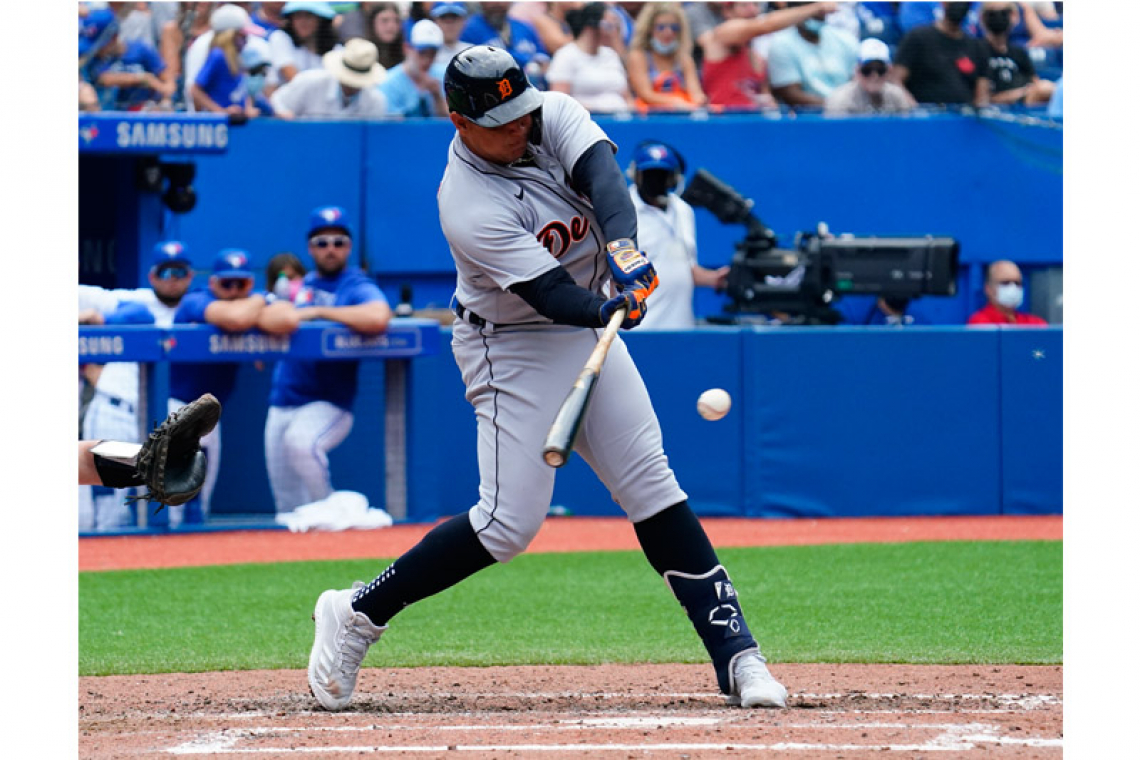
point(285, 60)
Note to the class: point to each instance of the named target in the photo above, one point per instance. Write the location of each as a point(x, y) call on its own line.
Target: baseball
point(714, 403)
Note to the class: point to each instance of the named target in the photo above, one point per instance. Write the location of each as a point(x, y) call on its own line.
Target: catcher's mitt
point(171, 464)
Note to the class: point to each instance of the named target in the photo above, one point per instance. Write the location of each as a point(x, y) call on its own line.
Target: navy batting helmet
point(486, 85)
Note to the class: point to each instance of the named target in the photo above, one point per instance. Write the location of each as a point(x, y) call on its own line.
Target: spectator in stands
point(255, 62)
point(230, 303)
point(451, 18)
point(940, 63)
point(283, 275)
point(386, 32)
point(125, 76)
point(224, 18)
point(492, 26)
point(914, 15)
point(114, 412)
point(310, 402)
point(343, 88)
point(869, 91)
point(667, 232)
point(730, 72)
point(305, 36)
point(1005, 292)
point(809, 60)
point(548, 21)
point(268, 16)
point(588, 69)
point(1042, 34)
point(415, 87)
point(662, 72)
point(144, 21)
point(1010, 71)
point(220, 86)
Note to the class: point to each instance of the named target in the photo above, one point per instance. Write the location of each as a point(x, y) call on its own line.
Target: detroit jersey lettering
point(558, 225)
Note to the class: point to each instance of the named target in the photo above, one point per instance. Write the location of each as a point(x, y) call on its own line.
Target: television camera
point(803, 282)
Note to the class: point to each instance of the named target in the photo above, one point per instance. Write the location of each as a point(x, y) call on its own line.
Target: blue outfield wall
point(826, 422)
point(994, 185)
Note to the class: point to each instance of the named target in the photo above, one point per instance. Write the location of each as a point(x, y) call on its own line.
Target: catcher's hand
point(171, 464)
point(630, 267)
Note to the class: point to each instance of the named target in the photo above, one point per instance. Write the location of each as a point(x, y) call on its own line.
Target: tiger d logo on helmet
point(487, 86)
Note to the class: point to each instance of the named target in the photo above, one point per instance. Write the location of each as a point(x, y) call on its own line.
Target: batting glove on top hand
point(631, 267)
point(170, 463)
point(633, 301)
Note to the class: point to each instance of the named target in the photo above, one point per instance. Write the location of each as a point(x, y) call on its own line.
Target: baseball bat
point(564, 429)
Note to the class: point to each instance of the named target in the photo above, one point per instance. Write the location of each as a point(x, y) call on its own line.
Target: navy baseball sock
point(674, 539)
point(678, 548)
point(446, 555)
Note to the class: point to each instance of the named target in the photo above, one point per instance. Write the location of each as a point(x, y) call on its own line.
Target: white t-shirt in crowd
point(317, 93)
point(598, 82)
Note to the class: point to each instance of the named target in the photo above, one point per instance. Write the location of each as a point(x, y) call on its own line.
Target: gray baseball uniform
point(510, 224)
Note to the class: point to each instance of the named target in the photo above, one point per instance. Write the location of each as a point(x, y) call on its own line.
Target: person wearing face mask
point(1010, 71)
point(666, 229)
point(1005, 292)
point(662, 72)
point(808, 61)
point(940, 63)
point(255, 61)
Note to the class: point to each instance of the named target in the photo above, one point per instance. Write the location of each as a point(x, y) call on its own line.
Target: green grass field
point(937, 602)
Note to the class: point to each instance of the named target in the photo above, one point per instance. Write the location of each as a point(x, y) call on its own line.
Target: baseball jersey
point(189, 380)
point(297, 382)
point(669, 238)
point(533, 222)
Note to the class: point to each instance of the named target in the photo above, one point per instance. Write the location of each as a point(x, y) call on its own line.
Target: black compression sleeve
point(598, 176)
point(555, 295)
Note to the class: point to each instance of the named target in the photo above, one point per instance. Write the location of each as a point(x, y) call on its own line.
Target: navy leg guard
point(711, 604)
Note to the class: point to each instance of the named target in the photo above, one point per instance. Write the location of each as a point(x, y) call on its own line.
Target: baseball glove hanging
point(171, 464)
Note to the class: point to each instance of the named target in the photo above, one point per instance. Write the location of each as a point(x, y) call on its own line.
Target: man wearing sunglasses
point(310, 402)
point(113, 411)
point(869, 91)
point(229, 303)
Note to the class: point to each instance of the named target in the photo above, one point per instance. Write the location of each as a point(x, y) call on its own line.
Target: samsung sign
point(153, 133)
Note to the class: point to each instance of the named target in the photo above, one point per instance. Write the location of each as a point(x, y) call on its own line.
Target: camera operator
point(666, 230)
point(892, 311)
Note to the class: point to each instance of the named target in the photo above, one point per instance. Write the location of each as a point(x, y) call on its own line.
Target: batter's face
point(330, 249)
point(500, 145)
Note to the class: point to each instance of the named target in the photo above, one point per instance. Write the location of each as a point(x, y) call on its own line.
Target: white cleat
point(754, 685)
point(342, 638)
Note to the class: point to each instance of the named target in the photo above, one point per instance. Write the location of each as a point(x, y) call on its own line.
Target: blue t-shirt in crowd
point(189, 380)
point(525, 44)
point(223, 86)
point(137, 57)
point(296, 381)
point(402, 94)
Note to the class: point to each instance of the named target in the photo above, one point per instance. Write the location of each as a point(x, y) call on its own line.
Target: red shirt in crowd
point(992, 315)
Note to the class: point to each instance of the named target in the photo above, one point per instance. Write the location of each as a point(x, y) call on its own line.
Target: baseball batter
point(539, 221)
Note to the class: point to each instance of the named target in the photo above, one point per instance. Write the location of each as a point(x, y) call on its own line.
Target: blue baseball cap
point(232, 262)
point(324, 10)
point(652, 155)
point(170, 252)
point(326, 217)
point(97, 29)
point(442, 9)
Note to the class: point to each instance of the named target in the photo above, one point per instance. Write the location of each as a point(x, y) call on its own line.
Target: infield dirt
point(610, 711)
